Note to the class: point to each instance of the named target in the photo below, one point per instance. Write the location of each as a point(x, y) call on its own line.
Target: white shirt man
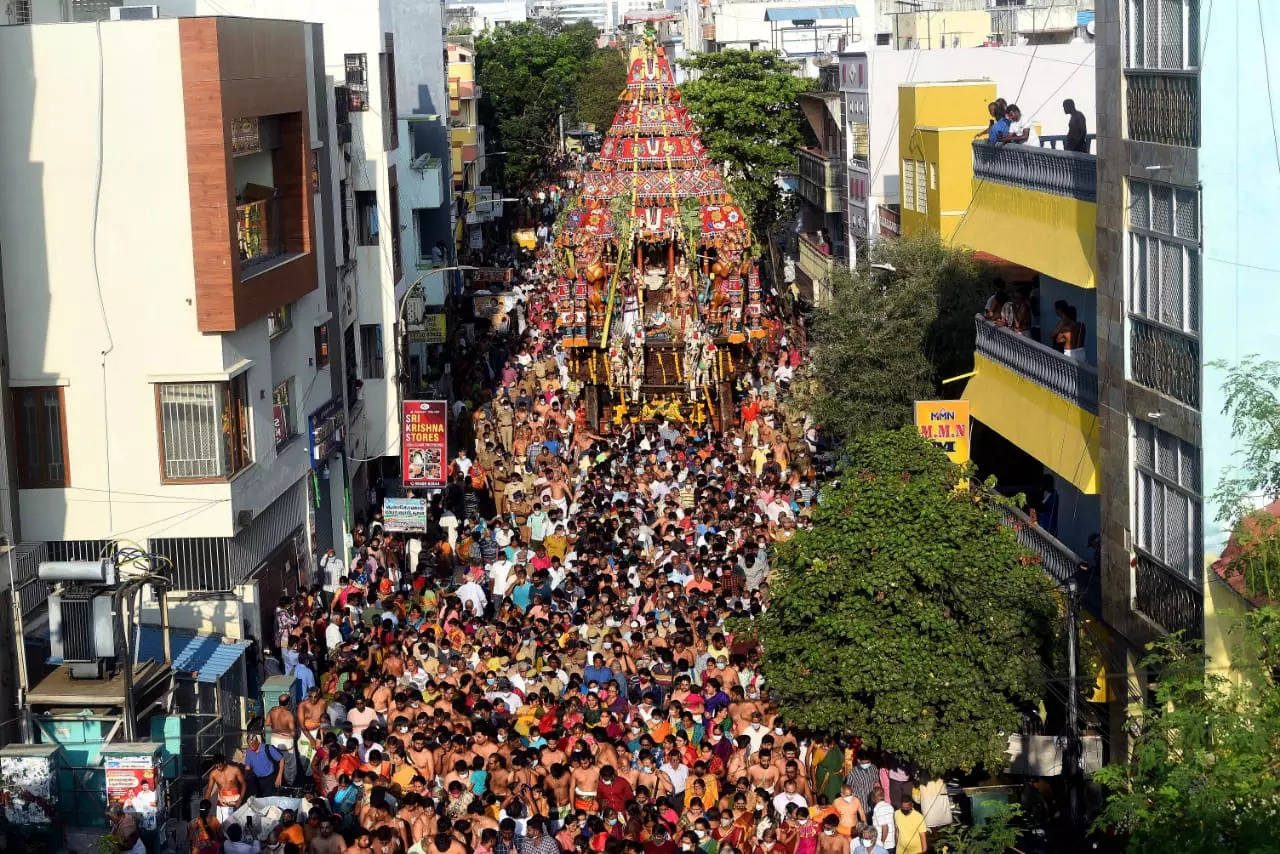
point(781, 800)
point(499, 576)
point(473, 593)
point(882, 818)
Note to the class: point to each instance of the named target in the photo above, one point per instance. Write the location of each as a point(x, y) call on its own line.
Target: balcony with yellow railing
point(1035, 206)
point(1038, 398)
point(821, 180)
point(463, 134)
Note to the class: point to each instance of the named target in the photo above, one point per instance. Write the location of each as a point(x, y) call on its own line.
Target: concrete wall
point(740, 24)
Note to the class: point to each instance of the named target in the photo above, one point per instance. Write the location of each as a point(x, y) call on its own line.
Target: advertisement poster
point(425, 444)
point(131, 782)
point(491, 274)
point(432, 331)
point(945, 423)
point(405, 515)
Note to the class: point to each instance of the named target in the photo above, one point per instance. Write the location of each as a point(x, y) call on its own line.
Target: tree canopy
point(908, 615)
point(529, 74)
point(746, 103)
point(1204, 772)
point(889, 337)
point(603, 77)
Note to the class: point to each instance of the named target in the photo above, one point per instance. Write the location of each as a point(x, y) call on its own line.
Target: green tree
point(889, 337)
point(603, 79)
point(1251, 390)
point(997, 835)
point(529, 74)
point(746, 103)
point(1204, 772)
point(908, 615)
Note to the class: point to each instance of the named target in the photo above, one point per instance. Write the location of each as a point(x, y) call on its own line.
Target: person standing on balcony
point(1068, 336)
point(1020, 130)
point(1077, 129)
point(1000, 126)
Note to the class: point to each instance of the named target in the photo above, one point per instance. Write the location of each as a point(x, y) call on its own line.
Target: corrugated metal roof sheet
point(208, 656)
point(810, 13)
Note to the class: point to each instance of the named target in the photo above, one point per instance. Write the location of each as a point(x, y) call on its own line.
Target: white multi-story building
point(167, 213)
point(476, 16)
point(598, 12)
point(247, 244)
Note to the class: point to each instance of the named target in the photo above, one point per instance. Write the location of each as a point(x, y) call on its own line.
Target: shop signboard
point(424, 446)
point(324, 432)
point(405, 515)
point(945, 423)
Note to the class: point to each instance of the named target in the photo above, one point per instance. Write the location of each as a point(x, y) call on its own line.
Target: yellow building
point(464, 122)
point(941, 29)
point(1028, 210)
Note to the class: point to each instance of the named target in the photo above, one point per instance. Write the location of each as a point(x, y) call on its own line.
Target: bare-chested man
point(764, 774)
point(326, 841)
point(850, 810)
point(284, 736)
point(830, 841)
point(227, 782)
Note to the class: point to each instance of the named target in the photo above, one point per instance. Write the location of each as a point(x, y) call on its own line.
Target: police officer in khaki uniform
point(505, 416)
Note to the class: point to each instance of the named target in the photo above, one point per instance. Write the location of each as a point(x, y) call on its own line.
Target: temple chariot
point(659, 290)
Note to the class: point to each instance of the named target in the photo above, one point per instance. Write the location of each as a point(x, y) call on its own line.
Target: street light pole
point(400, 333)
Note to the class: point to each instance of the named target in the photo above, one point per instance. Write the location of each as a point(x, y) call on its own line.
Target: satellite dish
point(1091, 28)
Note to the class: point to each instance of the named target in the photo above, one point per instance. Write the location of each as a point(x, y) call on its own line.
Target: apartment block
point(169, 346)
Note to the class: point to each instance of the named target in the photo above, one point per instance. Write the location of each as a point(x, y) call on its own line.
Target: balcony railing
point(1059, 141)
point(1059, 561)
point(1062, 173)
point(821, 180)
point(1169, 601)
point(258, 233)
point(1067, 378)
point(1164, 107)
point(1164, 360)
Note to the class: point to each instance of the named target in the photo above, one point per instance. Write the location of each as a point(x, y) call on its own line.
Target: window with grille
point(1162, 34)
point(909, 184)
point(322, 345)
point(278, 321)
point(371, 351)
point(357, 79)
point(1167, 507)
point(1164, 293)
point(41, 431)
point(204, 429)
point(284, 423)
point(922, 190)
point(21, 12)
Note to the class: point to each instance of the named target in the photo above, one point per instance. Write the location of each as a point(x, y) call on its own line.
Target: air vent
point(135, 13)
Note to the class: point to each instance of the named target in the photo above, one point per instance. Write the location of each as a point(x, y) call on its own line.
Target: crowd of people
point(552, 667)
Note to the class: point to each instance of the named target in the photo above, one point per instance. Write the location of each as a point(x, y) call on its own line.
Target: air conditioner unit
point(135, 13)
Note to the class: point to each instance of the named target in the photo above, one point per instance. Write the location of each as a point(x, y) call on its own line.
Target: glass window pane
point(1139, 204)
point(1162, 208)
point(1171, 285)
point(1187, 214)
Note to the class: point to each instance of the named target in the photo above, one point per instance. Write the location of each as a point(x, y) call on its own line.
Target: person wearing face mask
point(910, 829)
point(831, 841)
point(866, 843)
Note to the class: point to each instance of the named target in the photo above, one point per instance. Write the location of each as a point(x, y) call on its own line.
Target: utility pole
point(1072, 744)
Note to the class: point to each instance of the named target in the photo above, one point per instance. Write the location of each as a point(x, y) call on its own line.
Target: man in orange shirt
point(290, 830)
point(699, 583)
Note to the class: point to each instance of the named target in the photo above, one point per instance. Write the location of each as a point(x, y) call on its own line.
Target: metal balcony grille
point(1165, 360)
point(1059, 561)
point(1062, 173)
point(1167, 600)
point(1164, 107)
point(1067, 378)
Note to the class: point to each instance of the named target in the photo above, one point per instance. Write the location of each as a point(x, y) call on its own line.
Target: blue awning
point(208, 656)
point(810, 13)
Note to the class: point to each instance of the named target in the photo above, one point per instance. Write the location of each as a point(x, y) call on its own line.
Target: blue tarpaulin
point(209, 656)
